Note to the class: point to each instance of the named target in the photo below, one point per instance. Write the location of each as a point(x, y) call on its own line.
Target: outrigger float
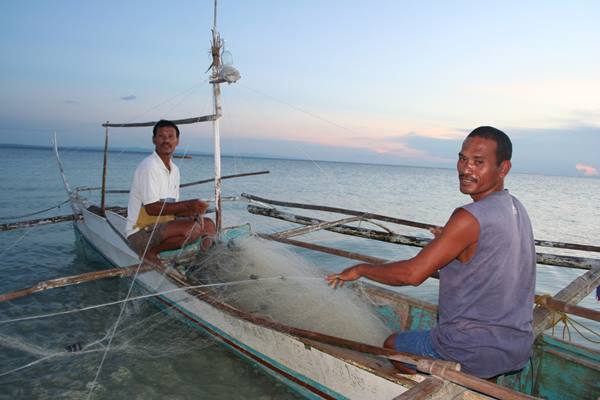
point(318, 365)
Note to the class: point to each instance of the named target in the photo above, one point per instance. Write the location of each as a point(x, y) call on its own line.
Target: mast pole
point(216, 56)
point(103, 198)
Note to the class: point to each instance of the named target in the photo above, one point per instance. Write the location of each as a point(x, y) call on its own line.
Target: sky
point(391, 82)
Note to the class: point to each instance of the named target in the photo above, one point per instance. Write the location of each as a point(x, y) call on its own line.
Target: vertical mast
point(216, 64)
point(103, 198)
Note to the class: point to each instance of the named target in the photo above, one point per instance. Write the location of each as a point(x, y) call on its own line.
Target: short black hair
point(503, 143)
point(162, 124)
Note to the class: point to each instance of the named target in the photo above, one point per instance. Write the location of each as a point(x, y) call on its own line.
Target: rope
point(89, 347)
point(575, 324)
point(35, 213)
point(16, 242)
point(568, 323)
point(301, 149)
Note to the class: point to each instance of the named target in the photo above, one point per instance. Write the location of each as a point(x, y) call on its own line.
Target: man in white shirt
point(153, 202)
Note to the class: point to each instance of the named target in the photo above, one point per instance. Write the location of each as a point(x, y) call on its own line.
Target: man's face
point(478, 171)
point(165, 141)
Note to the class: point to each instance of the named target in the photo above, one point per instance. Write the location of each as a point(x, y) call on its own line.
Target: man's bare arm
point(460, 233)
point(186, 208)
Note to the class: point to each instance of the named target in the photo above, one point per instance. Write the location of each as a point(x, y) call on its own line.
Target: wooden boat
point(321, 366)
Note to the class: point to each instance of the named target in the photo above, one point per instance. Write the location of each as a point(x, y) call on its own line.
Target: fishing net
point(58, 356)
point(281, 286)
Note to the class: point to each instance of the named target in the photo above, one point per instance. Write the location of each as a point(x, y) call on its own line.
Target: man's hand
point(349, 274)
point(196, 207)
point(437, 231)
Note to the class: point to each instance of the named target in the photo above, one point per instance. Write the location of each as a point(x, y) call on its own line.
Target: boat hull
point(314, 373)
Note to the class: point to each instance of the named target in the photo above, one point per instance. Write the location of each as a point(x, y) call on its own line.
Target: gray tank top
point(486, 304)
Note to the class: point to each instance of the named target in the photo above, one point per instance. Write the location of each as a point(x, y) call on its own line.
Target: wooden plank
point(315, 227)
point(423, 390)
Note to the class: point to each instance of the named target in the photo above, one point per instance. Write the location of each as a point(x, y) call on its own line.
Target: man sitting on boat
point(153, 206)
point(486, 259)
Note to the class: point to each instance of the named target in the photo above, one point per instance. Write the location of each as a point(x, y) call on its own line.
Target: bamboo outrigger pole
point(74, 280)
point(542, 258)
point(415, 224)
point(183, 185)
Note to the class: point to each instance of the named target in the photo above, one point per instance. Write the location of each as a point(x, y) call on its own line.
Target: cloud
point(67, 101)
point(586, 169)
point(129, 98)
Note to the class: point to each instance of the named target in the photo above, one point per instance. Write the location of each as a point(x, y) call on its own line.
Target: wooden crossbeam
point(193, 120)
point(314, 227)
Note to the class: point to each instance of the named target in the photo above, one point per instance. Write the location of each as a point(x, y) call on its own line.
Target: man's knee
point(209, 226)
point(390, 342)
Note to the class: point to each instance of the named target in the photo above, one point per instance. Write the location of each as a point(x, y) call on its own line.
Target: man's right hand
point(349, 274)
point(196, 207)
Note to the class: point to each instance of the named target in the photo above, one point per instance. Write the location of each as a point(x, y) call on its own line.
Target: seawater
point(154, 356)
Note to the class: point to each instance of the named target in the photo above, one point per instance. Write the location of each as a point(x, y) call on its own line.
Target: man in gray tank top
point(485, 255)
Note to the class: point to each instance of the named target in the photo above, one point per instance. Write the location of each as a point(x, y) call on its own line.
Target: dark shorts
point(416, 342)
point(147, 237)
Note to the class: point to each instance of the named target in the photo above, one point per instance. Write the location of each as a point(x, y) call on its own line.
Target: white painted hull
point(310, 371)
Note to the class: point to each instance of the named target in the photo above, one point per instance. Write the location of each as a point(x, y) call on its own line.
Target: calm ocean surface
point(154, 356)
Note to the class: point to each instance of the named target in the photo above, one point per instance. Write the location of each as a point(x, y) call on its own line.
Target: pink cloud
point(586, 169)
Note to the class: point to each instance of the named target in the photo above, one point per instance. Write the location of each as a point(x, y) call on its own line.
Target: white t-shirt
point(152, 182)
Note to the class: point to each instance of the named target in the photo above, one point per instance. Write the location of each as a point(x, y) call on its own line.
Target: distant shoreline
point(141, 150)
